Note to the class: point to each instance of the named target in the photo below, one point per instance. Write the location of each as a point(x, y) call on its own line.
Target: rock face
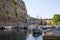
point(12, 11)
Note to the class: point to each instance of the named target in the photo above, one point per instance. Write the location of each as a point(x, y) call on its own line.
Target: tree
point(48, 23)
point(56, 19)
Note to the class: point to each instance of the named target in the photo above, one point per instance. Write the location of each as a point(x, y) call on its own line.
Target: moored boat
point(37, 32)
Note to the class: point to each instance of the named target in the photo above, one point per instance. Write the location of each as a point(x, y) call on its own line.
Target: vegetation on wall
point(15, 7)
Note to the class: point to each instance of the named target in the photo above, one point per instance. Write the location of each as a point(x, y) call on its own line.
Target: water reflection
point(17, 34)
point(12, 34)
point(31, 37)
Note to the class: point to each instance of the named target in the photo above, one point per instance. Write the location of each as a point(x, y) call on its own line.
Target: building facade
point(32, 20)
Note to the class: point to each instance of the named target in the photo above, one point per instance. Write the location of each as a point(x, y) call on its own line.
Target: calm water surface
point(17, 34)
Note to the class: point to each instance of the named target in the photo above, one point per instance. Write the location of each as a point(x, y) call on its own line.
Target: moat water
point(18, 34)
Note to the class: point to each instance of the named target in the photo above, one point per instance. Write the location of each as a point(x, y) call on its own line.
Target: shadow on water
point(13, 34)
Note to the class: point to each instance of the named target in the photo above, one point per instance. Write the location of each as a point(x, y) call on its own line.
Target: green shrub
point(15, 2)
point(7, 12)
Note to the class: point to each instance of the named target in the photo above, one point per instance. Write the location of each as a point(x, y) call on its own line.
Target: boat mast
point(37, 19)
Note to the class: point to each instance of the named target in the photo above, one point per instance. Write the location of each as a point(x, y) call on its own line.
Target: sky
point(42, 8)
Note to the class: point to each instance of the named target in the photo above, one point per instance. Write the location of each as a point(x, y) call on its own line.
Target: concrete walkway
point(53, 33)
point(56, 32)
